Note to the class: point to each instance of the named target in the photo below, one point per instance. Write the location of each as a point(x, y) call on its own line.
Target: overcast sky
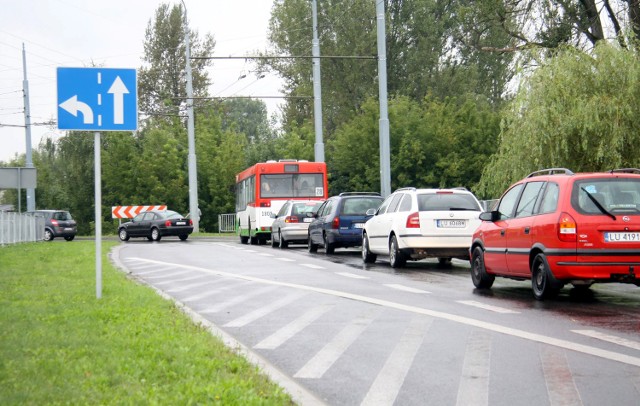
point(79, 33)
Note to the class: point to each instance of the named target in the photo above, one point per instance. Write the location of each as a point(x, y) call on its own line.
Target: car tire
point(396, 257)
point(48, 235)
point(274, 244)
point(155, 234)
point(444, 262)
point(124, 236)
point(244, 240)
point(367, 256)
point(253, 240)
point(481, 279)
point(329, 248)
point(183, 237)
point(543, 283)
point(70, 237)
point(311, 247)
point(283, 242)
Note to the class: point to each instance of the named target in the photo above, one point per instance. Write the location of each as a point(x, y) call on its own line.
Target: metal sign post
point(98, 209)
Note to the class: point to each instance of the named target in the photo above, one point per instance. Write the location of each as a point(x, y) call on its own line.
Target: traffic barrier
point(128, 212)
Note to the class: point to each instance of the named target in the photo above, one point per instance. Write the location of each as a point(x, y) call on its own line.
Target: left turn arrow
point(73, 106)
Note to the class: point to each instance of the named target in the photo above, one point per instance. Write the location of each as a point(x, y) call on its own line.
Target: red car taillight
point(54, 222)
point(190, 222)
point(167, 223)
point(335, 224)
point(291, 219)
point(413, 220)
point(567, 228)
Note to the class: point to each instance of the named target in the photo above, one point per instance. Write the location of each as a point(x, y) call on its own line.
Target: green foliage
point(578, 111)
point(61, 345)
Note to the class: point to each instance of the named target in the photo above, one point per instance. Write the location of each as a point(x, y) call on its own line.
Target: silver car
point(291, 223)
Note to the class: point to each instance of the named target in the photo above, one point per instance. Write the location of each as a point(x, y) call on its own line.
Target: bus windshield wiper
point(597, 204)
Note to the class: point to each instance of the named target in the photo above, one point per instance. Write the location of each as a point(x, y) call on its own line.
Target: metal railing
point(20, 227)
point(227, 223)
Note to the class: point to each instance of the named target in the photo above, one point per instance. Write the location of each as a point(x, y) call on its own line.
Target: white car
point(291, 223)
point(413, 224)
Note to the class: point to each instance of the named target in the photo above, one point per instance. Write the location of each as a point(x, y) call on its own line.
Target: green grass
point(59, 344)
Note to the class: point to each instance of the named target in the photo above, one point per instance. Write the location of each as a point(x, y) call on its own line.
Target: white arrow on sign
point(118, 89)
point(74, 106)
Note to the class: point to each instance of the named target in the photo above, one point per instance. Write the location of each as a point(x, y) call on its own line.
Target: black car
point(58, 223)
point(340, 219)
point(155, 224)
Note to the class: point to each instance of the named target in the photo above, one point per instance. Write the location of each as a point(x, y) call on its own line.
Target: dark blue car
point(339, 221)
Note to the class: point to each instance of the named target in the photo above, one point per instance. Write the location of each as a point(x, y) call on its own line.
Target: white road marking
point(351, 275)
point(559, 378)
point(187, 287)
point(160, 271)
point(278, 338)
point(265, 254)
point(212, 292)
point(405, 288)
point(285, 259)
point(327, 356)
point(487, 307)
point(473, 388)
point(237, 300)
point(264, 310)
point(609, 338)
point(569, 345)
point(190, 278)
point(312, 266)
point(387, 384)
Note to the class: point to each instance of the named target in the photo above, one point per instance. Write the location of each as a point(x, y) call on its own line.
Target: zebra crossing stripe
point(237, 300)
point(263, 311)
point(474, 383)
point(558, 376)
point(285, 333)
point(609, 338)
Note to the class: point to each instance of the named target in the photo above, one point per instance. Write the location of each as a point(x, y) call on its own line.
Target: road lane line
point(487, 307)
point(609, 338)
point(351, 275)
point(265, 310)
point(405, 288)
point(285, 259)
point(278, 338)
point(557, 342)
point(474, 382)
point(387, 384)
point(312, 266)
point(558, 376)
point(237, 300)
point(329, 354)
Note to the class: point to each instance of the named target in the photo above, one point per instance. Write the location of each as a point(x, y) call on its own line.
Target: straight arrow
point(118, 90)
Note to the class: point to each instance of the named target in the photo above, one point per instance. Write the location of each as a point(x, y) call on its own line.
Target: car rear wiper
point(462, 209)
point(597, 204)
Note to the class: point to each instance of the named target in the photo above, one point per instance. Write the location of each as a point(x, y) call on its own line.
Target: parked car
point(58, 223)
point(414, 224)
point(155, 224)
point(291, 223)
point(340, 219)
point(556, 227)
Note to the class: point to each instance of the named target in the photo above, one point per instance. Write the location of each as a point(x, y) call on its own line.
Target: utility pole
point(31, 192)
point(194, 211)
point(385, 165)
point(317, 92)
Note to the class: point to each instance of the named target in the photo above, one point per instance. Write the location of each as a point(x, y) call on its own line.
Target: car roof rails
point(625, 170)
point(359, 193)
point(406, 188)
point(551, 171)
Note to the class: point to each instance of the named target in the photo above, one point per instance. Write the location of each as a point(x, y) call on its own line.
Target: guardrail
point(20, 227)
point(227, 223)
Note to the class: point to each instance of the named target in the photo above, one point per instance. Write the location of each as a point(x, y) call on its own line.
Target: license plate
point(307, 220)
point(622, 237)
point(181, 223)
point(358, 225)
point(451, 223)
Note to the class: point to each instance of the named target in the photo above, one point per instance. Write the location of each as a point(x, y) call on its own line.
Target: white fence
point(227, 223)
point(17, 227)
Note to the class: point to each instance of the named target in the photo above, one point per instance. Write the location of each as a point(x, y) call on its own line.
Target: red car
point(557, 227)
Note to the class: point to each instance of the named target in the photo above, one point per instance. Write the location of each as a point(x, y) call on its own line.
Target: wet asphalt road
point(346, 333)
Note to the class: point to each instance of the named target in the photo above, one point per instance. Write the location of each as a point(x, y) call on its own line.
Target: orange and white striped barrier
point(128, 212)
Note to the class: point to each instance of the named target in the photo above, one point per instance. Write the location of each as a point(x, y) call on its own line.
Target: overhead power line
point(373, 57)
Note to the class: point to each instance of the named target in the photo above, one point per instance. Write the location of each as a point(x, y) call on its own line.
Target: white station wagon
point(413, 224)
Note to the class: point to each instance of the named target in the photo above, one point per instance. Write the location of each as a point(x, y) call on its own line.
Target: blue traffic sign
point(98, 99)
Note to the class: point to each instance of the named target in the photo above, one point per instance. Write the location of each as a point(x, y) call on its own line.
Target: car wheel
point(396, 257)
point(274, 243)
point(444, 262)
point(481, 279)
point(243, 239)
point(367, 256)
point(149, 238)
point(155, 234)
point(283, 242)
point(124, 236)
point(329, 248)
point(70, 237)
point(253, 240)
point(183, 237)
point(48, 235)
point(543, 283)
point(311, 247)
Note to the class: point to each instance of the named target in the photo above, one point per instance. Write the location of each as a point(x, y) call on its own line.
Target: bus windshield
point(291, 185)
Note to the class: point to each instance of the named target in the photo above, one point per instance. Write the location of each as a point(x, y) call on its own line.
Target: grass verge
point(61, 345)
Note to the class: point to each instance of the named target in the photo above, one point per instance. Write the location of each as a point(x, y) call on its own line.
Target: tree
point(578, 111)
point(162, 80)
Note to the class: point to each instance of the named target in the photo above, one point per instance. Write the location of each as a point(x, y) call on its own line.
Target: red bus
point(262, 189)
